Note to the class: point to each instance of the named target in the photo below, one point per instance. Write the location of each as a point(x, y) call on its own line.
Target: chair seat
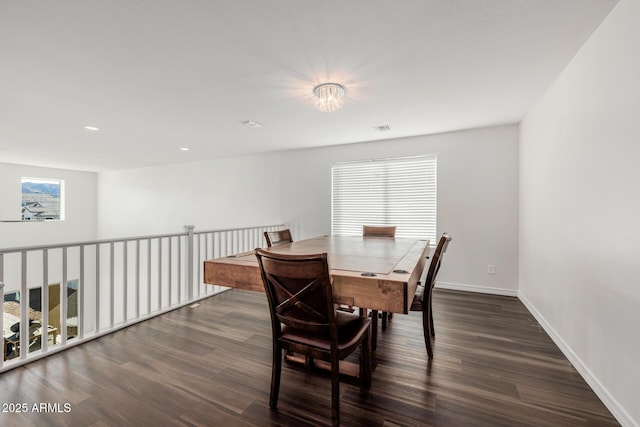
point(350, 329)
point(416, 305)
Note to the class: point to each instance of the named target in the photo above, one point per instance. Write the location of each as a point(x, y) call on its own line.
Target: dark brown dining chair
point(423, 297)
point(380, 231)
point(304, 320)
point(279, 237)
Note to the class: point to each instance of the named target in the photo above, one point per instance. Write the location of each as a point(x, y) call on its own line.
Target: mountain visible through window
point(42, 199)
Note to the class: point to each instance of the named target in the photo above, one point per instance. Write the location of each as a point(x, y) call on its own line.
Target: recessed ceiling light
point(93, 128)
point(184, 149)
point(382, 128)
point(251, 124)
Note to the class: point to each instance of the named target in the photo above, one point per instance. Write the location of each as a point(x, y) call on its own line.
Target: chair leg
point(426, 330)
point(365, 362)
point(276, 370)
point(308, 362)
point(433, 331)
point(385, 319)
point(374, 329)
point(335, 391)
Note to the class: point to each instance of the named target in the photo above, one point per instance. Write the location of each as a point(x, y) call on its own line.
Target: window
point(42, 199)
point(400, 192)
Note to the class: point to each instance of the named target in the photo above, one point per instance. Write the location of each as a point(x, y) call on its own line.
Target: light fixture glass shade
point(329, 97)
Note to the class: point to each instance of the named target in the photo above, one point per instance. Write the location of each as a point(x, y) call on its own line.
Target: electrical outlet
point(491, 269)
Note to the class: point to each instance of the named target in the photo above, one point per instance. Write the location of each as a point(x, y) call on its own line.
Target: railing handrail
point(224, 230)
point(120, 239)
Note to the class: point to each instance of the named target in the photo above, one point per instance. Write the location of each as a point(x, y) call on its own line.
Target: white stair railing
point(85, 290)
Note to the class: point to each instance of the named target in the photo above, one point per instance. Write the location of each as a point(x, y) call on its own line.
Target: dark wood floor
point(211, 366)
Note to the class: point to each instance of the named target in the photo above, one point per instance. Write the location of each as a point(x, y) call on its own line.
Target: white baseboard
point(475, 288)
point(609, 401)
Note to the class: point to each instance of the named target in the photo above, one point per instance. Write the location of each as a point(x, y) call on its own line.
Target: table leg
point(374, 329)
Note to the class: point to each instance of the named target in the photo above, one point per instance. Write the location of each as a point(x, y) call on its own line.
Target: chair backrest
point(436, 260)
point(375, 231)
point(279, 237)
point(299, 291)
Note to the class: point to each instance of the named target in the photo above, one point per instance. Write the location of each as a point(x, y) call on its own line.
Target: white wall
point(80, 218)
point(477, 198)
point(580, 211)
point(215, 194)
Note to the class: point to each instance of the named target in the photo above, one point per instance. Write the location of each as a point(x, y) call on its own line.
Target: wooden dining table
point(376, 273)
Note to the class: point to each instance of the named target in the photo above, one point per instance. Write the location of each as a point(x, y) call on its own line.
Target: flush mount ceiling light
point(329, 97)
point(92, 128)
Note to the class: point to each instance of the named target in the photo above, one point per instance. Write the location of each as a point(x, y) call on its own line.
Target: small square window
point(42, 199)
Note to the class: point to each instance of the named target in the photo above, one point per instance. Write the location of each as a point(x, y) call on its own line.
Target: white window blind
point(400, 192)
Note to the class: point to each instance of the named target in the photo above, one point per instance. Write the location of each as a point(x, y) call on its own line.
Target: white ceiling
point(155, 76)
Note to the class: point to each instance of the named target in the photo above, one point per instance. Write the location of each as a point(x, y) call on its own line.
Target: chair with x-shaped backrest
point(305, 321)
point(278, 237)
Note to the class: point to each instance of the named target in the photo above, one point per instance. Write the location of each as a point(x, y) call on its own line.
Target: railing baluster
point(149, 276)
point(44, 298)
point(199, 270)
point(64, 306)
point(217, 248)
point(125, 281)
point(24, 309)
point(224, 250)
point(234, 242)
point(97, 296)
point(189, 256)
point(169, 273)
point(80, 318)
point(137, 301)
point(159, 274)
point(179, 267)
point(112, 284)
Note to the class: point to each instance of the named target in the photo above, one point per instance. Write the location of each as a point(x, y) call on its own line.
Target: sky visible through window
point(42, 199)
